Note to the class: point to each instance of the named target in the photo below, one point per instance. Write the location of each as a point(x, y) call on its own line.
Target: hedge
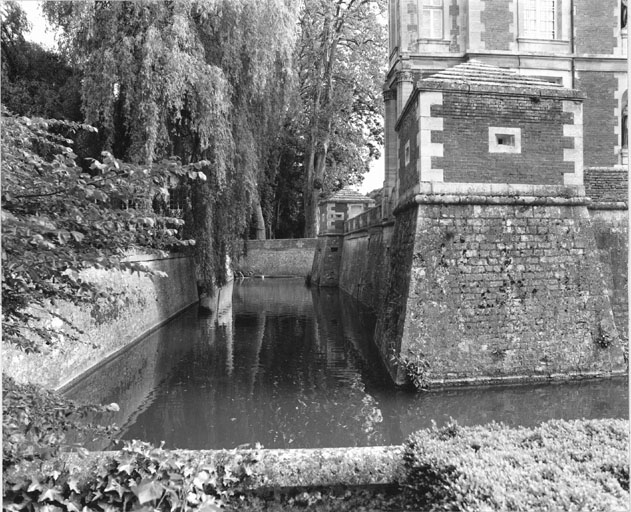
point(558, 466)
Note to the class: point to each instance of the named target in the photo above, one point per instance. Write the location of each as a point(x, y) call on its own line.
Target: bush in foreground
point(560, 465)
point(36, 422)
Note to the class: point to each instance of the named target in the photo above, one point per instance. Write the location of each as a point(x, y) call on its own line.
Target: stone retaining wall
point(325, 270)
point(497, 287)
point(282, 257)
point(611, 229)
point(105, 327)
point(365, 264)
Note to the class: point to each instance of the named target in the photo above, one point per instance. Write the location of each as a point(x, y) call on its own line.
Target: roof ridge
point(347, 193)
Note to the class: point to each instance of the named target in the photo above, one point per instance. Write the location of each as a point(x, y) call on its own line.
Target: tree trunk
point(309, 196)
point(260, 220)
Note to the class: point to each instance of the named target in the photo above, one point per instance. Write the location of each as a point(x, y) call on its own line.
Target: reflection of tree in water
point(281, 374)
point(312, 392)
point(341, 416)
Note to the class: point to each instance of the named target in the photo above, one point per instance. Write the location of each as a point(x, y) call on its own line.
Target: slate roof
point(475, 71)
point(346, 195)
point(478, 76)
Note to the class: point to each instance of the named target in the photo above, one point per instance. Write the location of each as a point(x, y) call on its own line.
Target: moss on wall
point(102, 328)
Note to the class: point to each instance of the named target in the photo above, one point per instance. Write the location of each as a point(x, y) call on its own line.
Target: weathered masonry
point(494, 264)
point(333, 212)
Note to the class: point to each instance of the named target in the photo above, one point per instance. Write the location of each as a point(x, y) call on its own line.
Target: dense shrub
point(140, 477)
point(35, 423)
point(58, 219)
point(560, 466)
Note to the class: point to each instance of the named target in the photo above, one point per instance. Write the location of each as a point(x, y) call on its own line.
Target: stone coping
point(378, 225)
point(272, 468)
point(450, 383)
point(497, 189)
point(608, 205)
point(493, 194)
point(500, 89)
point(133, 256)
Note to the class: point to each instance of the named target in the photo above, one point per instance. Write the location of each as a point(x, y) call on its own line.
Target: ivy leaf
point(72, 506)
point(113, 485)
point(51, 494)
point(77, 236)
point(148, 490)
point(35, 486)
point(73, 485)
point(50, 508)
point(210, 507)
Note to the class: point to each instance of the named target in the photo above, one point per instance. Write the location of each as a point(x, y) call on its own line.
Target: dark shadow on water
point(292, 367)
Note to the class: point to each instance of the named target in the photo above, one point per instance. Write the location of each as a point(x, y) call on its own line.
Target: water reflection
point(291, 367)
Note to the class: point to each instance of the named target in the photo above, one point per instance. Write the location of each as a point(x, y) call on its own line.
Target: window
point(539, 19)
point(504, 140)
point(407, 152)
point(623, 14)
point(432, 19)
point(625, 128)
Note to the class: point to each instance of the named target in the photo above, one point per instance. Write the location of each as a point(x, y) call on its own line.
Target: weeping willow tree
point(200, 80)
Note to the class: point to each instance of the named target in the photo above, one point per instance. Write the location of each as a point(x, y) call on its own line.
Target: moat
point(291, 367)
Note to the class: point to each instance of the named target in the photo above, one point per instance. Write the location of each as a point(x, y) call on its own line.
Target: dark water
point(290, 367)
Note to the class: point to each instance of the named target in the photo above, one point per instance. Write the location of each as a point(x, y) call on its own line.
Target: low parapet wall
point(104, 327)
point(366, 219)
point(280, 257)
point(268, 469)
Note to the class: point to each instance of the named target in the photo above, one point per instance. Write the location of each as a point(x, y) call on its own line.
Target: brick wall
point(408, 131)
point(466, 122)
point(607, 184)
point(502, 291)
point(594, 26)
point(600, 120)
point(498, 25)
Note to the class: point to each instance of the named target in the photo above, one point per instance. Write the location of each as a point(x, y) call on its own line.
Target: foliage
point(58, 219)
point(283, 99)
point(14, 24)
point(338, 499)
point(35, 423)
point(560, 465)
point(340, 58)
point(200, 80)
point(35, 81)
point(416, 368)
point(43, 85)
point(140, 477)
